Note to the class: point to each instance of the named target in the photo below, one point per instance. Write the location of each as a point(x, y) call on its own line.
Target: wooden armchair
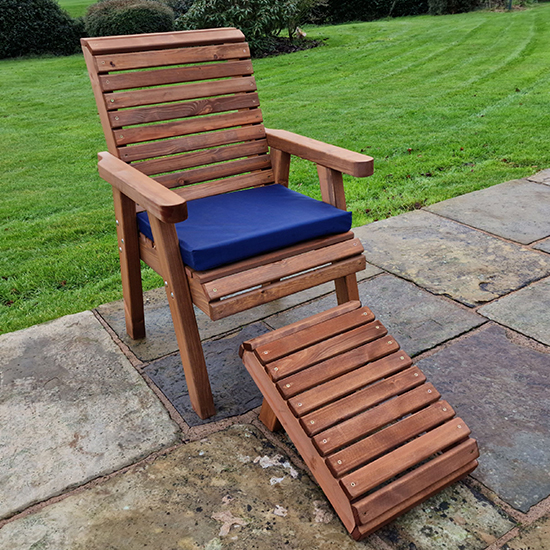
point(201, 187)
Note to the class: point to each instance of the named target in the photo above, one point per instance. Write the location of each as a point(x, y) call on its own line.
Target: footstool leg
point(268, 417)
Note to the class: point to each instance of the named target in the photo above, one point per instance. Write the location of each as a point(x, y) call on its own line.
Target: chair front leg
point(332, 192)
point(183, 317)
point(130, 267)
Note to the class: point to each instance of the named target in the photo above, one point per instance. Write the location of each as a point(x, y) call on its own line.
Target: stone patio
point(101, 449)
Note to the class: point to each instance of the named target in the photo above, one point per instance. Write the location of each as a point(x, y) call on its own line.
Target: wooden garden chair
point(201, 187)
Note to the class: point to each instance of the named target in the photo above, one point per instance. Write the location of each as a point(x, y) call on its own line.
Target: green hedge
point(34, 27)
point(442, 7)
point(112, 17)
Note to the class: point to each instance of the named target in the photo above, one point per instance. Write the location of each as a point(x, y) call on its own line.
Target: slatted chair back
point(182, 108)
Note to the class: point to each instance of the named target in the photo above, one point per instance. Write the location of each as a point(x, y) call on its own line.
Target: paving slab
point(72, 408)
point(527, 311)
point(543, 245)
point(535, 537)
point(448, 258)
point(417, 319)
point(161, 340)
point(518, 210)
point(233, 490)
point(458, 518)
point(541, 177)
point(233, 389)
point(499, 386)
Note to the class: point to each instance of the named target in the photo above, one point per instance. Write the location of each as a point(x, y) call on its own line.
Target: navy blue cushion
point(226, 228)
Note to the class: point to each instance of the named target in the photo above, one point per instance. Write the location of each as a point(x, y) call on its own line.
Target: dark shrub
point(259, 20)
point(112, 17)
point(442, 7)
point(339, 11)
point(32, 27)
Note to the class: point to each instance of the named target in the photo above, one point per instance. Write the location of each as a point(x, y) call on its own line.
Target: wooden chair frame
point(271, 275)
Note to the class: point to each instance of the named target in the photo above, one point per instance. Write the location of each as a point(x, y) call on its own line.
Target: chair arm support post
point(330, 156)
point(332, 186)
point(280, 160)
point(160, 201)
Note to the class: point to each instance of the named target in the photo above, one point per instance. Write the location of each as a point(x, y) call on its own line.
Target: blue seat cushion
point(226, 228)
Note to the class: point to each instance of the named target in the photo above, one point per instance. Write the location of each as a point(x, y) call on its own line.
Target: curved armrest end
point(158, 200)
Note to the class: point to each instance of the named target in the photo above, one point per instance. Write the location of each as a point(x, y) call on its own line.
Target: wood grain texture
point(330, 156)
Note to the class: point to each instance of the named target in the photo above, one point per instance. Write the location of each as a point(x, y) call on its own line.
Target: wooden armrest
point(331, 156)
point(158, 200)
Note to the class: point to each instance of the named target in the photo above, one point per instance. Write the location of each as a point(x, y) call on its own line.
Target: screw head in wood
point(112, 100)
point(165, 283)
point(276, 369)
point(116, 221)
point(390, 342)
point(287, 386)
point(429, 391)
point(266, 352)
point(324, 440)
point(103, 62)
point(444, 409)
point(339, 462)
point(299, 404)
point(172, 294)
point(416, 374)
point(121, 240)
point(312, 422)
point(120, 248)
point(459, 426)
point(365, 313)
point(216, 290)
point(402, 358)
point(352, 483)
point(117, 118)
point(376, 326)
point(121, 137)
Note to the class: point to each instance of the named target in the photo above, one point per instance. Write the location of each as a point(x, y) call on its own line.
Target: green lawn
point(445, 105)
point(76, 8)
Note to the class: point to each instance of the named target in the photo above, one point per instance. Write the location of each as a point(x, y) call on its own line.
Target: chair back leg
point(130, 268)
point(183, 316)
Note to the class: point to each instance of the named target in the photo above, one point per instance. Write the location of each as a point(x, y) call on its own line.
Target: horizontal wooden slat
point(177, 75)
point(327, 349)
point(349, 431)
point(151, 96)
point(264, 259)
point(284, 268)
point(370, 476)
point(309, 336)
point(413, 483)
point(215, 171)
point(228, 185)
point(234, 304)
point(172, 111)
point(171, 56)
point(156, 41)
point(303, 324)
point(337, 366)
point(332, 390)
point(201, 158)
point(190, 143)
point(385, 440)
point(184, 127)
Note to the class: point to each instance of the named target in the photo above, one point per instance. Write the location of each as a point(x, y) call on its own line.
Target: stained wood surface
point(377, 425)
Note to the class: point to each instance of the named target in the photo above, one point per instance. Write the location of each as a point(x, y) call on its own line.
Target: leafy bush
point(339, 11)
point(442, 7)
point(259, 20)
point(31, 27)
point(112, 17)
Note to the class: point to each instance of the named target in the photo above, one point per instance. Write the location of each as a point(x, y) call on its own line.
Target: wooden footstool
point(374, 433)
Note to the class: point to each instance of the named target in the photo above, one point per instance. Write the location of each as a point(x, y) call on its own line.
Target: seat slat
point(189, 126)
point(348, 383)
point(313, 335)
point(201, 158)
point(283, 268)
point(327, 370)
point(156, 41)
point(162, 77)
point(179, 56)
point(215, 171)
point(414, 482)
point(265, 259)
point(151, 96)
point(234, 304)
point(385, 440)
point(370, 476)
point(172, 111)
point(327, 349)
point(349, 431)
point(191, 143)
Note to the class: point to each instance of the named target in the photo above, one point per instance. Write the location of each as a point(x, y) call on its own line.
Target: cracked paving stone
point(500, 387)
point(233, 389)
point(448, 258)
point(212, 494)
point(72, 408)
point(518, 210)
